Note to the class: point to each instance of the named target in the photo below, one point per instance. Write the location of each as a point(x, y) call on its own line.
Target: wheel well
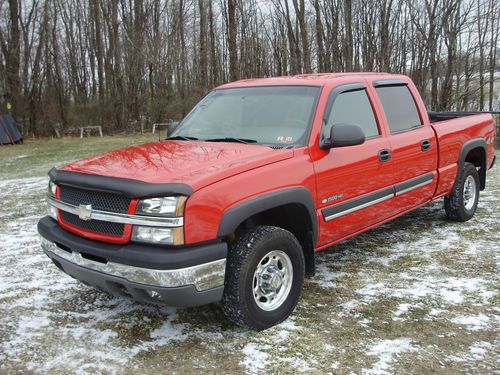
point(294, 218)
point(477, 156)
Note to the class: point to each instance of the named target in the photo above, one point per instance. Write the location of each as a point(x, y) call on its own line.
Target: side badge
point(333, 198)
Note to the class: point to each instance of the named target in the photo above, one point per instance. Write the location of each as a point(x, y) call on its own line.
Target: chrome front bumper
point(202, 277)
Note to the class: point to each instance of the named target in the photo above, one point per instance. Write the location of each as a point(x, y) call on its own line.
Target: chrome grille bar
point(115, 217)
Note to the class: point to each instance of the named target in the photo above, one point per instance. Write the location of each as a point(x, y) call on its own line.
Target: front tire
point(462, 202)
point(264, 276)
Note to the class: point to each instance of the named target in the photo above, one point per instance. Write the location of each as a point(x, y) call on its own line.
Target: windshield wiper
point(181, 138)
point(231, 139)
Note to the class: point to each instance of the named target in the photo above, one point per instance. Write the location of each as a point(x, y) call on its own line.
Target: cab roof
point(317, 79)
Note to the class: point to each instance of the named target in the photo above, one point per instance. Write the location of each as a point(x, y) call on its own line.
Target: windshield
point(277, 115)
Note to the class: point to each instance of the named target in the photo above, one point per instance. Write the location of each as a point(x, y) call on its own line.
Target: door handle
point(384, 155)
point(425, 145)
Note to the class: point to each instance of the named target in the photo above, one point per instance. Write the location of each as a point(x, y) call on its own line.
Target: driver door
point(354, 182)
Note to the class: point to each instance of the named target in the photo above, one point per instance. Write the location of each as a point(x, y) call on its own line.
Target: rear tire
point(461, 204)
point(264, 276)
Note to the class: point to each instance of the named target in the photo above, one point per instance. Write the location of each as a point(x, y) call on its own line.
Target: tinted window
point(353, 108)
point(399, 107)
point(269, 115)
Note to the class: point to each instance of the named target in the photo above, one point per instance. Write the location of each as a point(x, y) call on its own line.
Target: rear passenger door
point(413, 145)
point(353, 183)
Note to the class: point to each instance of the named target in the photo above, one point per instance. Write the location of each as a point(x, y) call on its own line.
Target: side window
point(353, 107)
point(399, 107)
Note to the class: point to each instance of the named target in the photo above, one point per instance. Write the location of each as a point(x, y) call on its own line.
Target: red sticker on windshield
point(283, 139)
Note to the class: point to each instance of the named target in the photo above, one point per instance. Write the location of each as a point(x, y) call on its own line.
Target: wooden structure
point(88, 129)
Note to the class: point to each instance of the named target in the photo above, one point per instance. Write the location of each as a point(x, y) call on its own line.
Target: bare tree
point(120, 62)
point(10, 45)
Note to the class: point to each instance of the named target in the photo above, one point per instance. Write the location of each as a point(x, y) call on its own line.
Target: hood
point(195, 163)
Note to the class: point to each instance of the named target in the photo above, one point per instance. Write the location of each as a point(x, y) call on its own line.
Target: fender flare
point(234, 216)
point(466, 148)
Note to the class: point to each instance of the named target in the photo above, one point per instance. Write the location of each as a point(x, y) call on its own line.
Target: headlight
point(52, 188)
point(52, 212)
point(51, 191)
point(163, 206)
point(166, 206)
point(158, 235)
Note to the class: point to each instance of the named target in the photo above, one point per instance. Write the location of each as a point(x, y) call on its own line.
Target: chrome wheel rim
point(272, 280)
point(469, 193)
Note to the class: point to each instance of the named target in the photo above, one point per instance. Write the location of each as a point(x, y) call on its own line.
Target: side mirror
point(172, 126)
point(342, 135)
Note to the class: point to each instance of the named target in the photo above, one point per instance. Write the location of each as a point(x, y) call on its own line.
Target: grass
point(419, 278)
point(36, 156)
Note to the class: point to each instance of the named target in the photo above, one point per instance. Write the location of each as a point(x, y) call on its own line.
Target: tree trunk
point(231, 42)
point(12, 59)
point(348, 40)
point(202, 78)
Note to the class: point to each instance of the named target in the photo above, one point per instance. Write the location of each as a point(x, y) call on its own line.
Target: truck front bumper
point(190, 276)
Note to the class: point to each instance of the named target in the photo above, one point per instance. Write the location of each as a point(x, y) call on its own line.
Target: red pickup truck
point(258, 177)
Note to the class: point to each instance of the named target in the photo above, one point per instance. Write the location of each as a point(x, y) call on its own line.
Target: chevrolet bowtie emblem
point(84, 211)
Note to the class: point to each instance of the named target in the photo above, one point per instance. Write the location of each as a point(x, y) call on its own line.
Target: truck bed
point(454, 129)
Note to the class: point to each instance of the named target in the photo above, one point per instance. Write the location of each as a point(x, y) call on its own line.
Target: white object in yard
point(89, 128)
point(161, 124)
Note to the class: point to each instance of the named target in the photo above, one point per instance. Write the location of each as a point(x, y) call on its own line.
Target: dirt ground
point(417, 295)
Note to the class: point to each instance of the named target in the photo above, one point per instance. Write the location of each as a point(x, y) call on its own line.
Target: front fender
point(297, 195)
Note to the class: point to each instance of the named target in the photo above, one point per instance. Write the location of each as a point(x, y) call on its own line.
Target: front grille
point(102, 201)
point(99, 200)
point(96, 226)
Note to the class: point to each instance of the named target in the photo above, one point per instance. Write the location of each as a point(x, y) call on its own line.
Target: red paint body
point(223, 175)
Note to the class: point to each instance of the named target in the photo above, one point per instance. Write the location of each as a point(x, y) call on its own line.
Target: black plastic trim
point(435, 116)
point(414, 182)
point(384, 155)
point(425, 145)
point(466, 148)
point(236, 215)
point(341, 207)
point(416, 127)
point(390, 82)
point(133, 254)
point(129, 187)
point(182, 296)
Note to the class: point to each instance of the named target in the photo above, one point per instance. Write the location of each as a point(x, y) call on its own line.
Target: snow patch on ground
point(473, 322)
point(421, 264)
point(402, 309)
point(275, 339)
point(255, 357)
point(479, 349)
point(451, 290)
point(387, 352)
point(436, 312)
point(329, 279)
point(19, 186)
point(477, 352)
point(298, 363)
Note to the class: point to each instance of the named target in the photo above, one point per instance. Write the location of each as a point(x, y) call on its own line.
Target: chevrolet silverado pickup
point(257, 178)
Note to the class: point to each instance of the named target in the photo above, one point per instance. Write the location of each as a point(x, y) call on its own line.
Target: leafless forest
point(67, 63)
